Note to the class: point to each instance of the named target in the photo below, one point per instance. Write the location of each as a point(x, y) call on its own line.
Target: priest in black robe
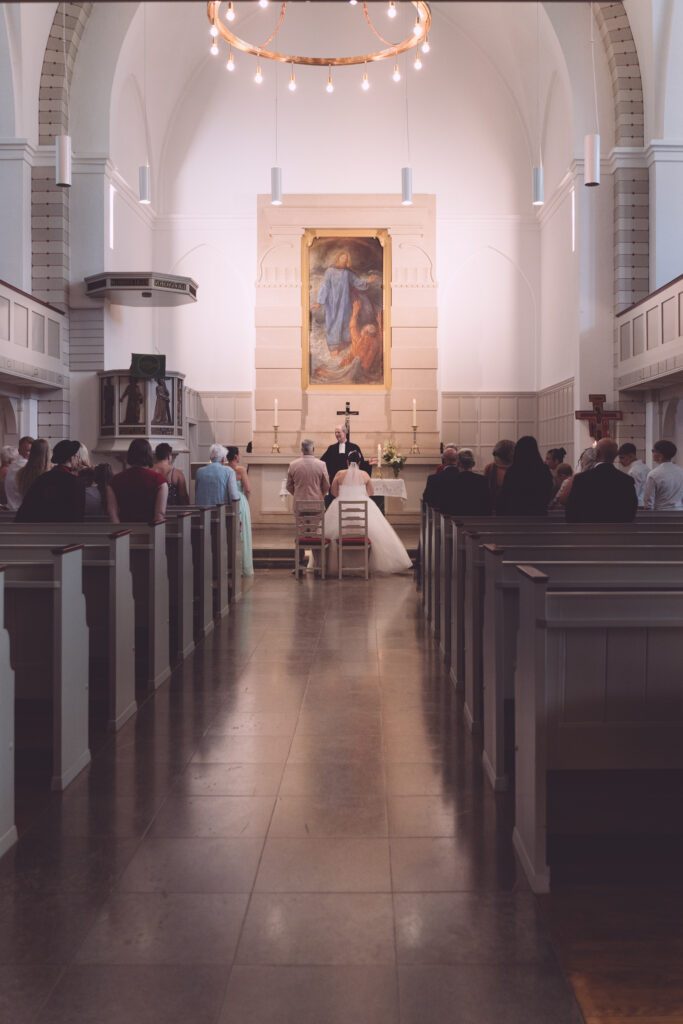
point(335, 457)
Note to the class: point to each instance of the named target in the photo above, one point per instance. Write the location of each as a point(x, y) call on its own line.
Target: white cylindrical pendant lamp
point(144, 185)
point(406, 186)
point(276, 186)
point(538, 191)
point(591, 160)
point(63, 161)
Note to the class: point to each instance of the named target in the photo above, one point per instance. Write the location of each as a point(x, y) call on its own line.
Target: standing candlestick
point(275, 422)
point(414, 413)
point(379, 461)
point(276, 447)
point(414, 449)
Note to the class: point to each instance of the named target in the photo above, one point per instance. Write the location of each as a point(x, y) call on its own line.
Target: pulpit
point(130, 407)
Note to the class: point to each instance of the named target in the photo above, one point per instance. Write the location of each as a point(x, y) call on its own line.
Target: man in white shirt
point(11, 490)
point(635, 467)
point(664, 485)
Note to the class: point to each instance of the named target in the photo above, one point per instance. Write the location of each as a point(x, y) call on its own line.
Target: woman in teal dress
point(245, 511)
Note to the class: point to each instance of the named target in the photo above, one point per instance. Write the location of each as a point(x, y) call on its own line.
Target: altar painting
point(346, 287)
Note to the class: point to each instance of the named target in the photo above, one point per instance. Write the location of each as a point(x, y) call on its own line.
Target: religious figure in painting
point(346, 335)
point(108, 399)
point(134, 401)
point(162, 406)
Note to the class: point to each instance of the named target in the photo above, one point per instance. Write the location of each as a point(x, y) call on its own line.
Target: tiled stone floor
point(295, 830)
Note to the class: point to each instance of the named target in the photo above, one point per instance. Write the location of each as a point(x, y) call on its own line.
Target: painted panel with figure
point(346, 278)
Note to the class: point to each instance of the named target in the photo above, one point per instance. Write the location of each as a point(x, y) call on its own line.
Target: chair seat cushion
point(312, 540)
point(355, 540)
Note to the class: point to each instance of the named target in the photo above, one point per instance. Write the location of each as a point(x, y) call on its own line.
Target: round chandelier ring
point(424, 16)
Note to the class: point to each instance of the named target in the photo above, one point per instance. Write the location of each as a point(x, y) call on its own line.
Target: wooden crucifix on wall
point(347, 412)
point(599, 418)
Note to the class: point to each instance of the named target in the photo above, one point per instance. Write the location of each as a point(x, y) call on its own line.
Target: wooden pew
point(180, 584)
point(232, 525)
point(501, 620)
point(108, 592)
point(45, 618)
point(525, 531)
point(8, 829)
point(598, 688)
point(149, 566)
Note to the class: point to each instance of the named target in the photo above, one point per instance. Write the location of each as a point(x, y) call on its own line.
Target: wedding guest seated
point(586, 463)
point(554, 458)
point(664, 484)
point(11, 490)
point(496, 470)
point(139, 494)
point(635, 467)
point(463, 493)
point(216, 484)
point(449, 459)
point(37, 463)
point(8, 454)
point(528, 484)
point(56, 496)
point(564, 476)
point(605, 495)
point(95, 482)
point(175, 478)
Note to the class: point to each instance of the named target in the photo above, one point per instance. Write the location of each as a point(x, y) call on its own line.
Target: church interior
point(233, 796)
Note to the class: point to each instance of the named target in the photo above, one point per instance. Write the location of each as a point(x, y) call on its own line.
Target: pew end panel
point(8, 829)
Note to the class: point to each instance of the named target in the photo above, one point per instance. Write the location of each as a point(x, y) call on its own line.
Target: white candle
point(414, 413)
point(379, 454)
point(275, 413)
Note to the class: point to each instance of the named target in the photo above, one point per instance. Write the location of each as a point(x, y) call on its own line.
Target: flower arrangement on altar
point(393, 457)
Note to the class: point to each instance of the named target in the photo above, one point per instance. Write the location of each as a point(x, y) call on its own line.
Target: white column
point(26, 415)
point(665, 160)
point(16, 157)
point(652, 427)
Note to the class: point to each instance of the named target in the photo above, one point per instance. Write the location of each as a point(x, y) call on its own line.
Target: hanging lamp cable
point(595, 77)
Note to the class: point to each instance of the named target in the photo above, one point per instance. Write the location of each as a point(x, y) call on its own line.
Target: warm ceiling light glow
point(230, 13)
point(292, 81)
point(330, 84)
point(353, 2)
point(258, 77)
point(230, 63)
point(397, 74)
point(417, 27)
point(417, 63)
point(391, 13)
point(213, 31)
point(214, 49)
point(425, 46)
point(263, 3)
point(365, 83)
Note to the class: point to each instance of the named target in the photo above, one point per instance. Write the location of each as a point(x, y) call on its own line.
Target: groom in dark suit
point(603, 494)
point(335, 458)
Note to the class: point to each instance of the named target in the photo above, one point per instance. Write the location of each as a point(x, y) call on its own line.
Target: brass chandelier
point(222, 17)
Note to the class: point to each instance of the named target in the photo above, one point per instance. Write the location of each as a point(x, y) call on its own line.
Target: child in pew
point(56, 496)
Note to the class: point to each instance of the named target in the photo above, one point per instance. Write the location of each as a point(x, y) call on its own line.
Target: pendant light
point(63, 141)
point(537, 186)
point(144, 173)
point(591, 142)
point(407, 172)
point(276, 172)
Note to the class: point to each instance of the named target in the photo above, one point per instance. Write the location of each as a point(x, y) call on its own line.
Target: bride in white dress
point(387, 553)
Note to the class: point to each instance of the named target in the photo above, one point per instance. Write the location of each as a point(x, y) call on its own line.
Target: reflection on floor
point(295, 830)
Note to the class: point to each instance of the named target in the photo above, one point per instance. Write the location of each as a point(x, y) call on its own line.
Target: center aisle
point(304, 837)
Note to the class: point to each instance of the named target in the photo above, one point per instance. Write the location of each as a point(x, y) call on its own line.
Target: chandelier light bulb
point(230, 63)
point(292, 81)
point(417, 27)
point(214, 49)
point(353, 2)
point(330, 84)
point(230, 13)
point(263, 3)
point(213, 31)
point(365, 83)
point(391, 13)
point(417, 63)
point(397, 74)
point(258, 77)
point(425, 46)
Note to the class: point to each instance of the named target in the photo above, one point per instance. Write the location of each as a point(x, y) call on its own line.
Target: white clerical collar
point(342, 447)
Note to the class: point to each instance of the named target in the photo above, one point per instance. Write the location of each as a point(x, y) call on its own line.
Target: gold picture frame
point(346, 338)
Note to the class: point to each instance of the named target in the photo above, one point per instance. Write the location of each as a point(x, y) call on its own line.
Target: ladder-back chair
point(353, 533)
point(309, 518)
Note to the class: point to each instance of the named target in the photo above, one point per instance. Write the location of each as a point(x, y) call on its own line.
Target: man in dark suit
point(447, 468)
point(462, 492)
point(605, 494)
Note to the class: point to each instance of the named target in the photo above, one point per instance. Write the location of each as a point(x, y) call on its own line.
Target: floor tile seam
point(37, 1016)
point(394, 926)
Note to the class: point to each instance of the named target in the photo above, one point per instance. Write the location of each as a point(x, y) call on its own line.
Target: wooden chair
point(353, 533)
point(309, 518)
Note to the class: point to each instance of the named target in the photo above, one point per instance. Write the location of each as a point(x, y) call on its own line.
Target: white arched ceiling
point(9, 73)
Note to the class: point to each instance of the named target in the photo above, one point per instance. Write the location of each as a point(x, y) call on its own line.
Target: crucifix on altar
point(598, 417)
point(347, 412)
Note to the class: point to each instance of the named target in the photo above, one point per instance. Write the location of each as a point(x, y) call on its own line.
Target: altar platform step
point(283, 558)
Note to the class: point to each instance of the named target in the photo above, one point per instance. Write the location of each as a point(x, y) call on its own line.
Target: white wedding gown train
point(387, 553)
